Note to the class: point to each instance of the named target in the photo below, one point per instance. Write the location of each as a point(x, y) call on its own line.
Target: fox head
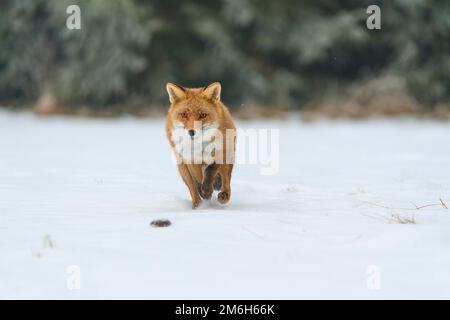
point(194, 109)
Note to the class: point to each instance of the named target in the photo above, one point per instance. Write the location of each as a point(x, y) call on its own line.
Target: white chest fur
point(199, 149)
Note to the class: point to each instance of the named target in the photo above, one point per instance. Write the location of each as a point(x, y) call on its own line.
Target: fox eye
point(184, 114)
point(203, 115)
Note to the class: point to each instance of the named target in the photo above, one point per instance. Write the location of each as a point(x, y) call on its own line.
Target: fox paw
point(195, 204)
point(206, 191)
point(223, 197)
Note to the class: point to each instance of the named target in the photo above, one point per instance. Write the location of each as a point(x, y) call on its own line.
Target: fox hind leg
point(217, 182)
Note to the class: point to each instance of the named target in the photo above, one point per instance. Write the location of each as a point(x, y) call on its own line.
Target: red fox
point(202, 135)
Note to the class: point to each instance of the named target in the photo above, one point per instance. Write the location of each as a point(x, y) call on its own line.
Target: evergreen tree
point(273, 53)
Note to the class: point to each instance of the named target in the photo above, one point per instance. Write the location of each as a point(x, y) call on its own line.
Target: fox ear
point(175, 92)
point(212, 92)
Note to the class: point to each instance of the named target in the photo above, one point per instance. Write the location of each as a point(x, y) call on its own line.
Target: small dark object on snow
point(160, 223)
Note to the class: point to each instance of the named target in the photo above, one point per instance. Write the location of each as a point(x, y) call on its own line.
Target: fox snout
point(193, 128)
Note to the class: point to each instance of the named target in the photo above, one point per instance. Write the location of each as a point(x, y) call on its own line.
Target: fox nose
point(191, 132)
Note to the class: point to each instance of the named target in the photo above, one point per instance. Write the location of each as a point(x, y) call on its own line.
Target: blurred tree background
point(289, 54)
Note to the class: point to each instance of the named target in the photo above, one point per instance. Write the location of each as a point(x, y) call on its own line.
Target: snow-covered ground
point(77, 197)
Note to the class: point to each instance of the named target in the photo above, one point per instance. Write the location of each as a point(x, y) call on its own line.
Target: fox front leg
point(189, 181)
point(225, 191)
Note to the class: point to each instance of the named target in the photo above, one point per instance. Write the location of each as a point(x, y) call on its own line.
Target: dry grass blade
point(403, 220)
point(440, 204)
point(443, 204)
point(397, 218)
point(394, 218)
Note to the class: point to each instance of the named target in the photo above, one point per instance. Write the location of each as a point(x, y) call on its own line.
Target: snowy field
point(77, 197)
